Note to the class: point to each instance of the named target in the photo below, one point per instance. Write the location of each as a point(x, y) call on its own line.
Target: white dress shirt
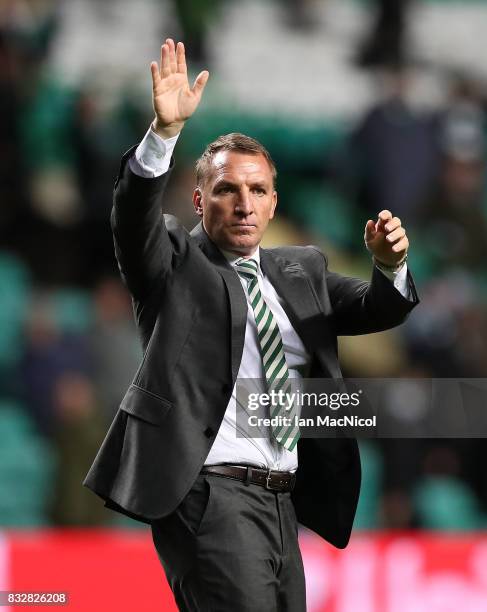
point(152, 158)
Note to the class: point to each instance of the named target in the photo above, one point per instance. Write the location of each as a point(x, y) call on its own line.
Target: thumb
point(370, 231)
point(200, 82)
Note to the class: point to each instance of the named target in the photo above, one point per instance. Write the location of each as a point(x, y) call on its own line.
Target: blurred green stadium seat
point(323, 212)
point(15, 293)
point(26, 469)
point(367, 516)
point(73, 309)
point(284, 140)
point(446, 503)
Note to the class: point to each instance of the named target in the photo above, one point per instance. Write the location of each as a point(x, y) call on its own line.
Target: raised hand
point(386, 239)
point(174, 101)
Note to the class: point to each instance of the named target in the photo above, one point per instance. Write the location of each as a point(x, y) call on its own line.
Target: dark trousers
point(232, 547)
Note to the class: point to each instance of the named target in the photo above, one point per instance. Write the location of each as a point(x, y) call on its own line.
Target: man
point(212, 306)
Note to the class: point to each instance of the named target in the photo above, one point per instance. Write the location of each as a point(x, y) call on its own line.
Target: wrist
point(166, 131)
point(388, 267)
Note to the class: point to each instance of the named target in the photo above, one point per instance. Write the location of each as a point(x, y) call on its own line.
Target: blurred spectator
point(394, 147)
point(195, 17)
point(442, 499)
point(300, 14)
point(453, 218)
point(11, 189)
point(26, 28)
point(397, 510)
point(49, 353)
point(464, 121)
point(385, 45)
point(79, 431)
point(114, 343)
point(449, 335)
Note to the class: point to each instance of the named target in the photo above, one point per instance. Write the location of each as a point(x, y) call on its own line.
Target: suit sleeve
point(365, 307)
point(143, 248)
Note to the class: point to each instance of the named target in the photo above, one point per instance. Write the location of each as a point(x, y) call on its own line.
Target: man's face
point(237, 201)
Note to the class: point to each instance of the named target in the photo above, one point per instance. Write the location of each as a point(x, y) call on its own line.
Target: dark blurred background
point(363, 105)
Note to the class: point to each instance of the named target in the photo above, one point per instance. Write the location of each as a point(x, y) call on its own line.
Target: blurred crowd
point(68, 344)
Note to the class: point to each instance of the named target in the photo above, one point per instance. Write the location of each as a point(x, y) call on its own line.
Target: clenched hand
point(386, 239)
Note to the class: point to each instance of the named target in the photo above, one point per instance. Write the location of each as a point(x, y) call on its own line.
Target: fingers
point(392, 224)
point(369, 230)
point(181, 58)
point(390, 228)
point(384, 217)
point(165, 65)
point(173, 59)
point(168, 58)
point(402, 245)
point(386, 223)
point(200, 82)
point(396, 235)
point(172, 55)
point(156, 77)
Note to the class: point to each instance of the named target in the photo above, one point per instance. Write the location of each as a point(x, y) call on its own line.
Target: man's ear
point(197, 196)
point(274, 204)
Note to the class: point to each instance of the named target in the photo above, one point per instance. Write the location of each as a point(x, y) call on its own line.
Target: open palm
point(174, 101)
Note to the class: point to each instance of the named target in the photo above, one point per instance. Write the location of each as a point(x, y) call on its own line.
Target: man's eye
point(259, 190)
point(225, 190)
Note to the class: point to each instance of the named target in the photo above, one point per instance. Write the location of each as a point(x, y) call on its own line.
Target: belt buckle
point(268, 480)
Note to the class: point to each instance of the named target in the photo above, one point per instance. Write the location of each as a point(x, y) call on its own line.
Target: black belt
point(270, 479)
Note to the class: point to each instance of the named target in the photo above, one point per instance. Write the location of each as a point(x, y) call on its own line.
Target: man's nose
point(244, 204)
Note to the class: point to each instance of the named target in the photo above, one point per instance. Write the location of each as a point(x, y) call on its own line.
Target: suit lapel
point(299, 302)
point(236, 295)
point(302, 308)
point(290, 281)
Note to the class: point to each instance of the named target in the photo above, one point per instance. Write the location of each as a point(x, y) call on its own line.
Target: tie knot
point(247, 268)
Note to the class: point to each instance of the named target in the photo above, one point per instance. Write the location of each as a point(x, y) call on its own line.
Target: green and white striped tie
point(272, 352)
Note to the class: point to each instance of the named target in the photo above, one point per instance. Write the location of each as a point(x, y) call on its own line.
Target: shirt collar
point(232, 258)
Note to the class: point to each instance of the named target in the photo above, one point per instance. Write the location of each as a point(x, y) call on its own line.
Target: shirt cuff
point(153, 155)
point(399, 280)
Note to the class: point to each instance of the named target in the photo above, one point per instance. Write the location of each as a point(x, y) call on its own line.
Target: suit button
point(209, 432)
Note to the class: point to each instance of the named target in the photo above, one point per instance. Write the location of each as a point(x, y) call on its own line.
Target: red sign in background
point(119, 571)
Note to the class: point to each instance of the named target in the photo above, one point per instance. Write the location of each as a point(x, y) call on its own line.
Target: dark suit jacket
point(190, 310)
